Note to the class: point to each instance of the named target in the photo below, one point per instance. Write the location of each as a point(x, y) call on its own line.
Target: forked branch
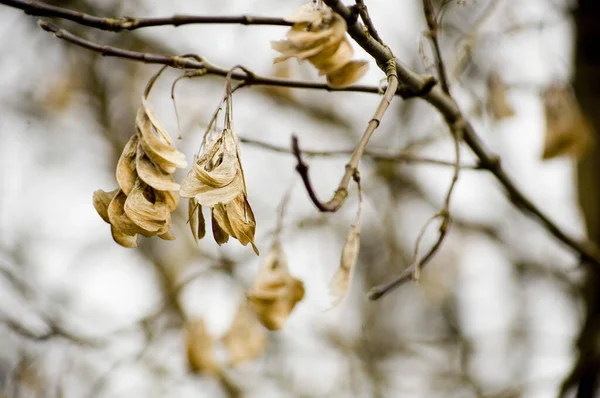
point(341, 193)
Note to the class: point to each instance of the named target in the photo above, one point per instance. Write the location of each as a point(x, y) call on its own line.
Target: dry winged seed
point(172, 199)
point(126, 174)
point(148, 209)
point(218, 233)
point(309, 13)
point(102, 200)
point(245, 339)
point(499, 106)
point(152, 175)
point(196, 220)
point(568, 131)
point(200, 348)
point(348, 74)
point(329, 63)
point(216, 176)
point(123, 230)
point(158, 147)
point(236, 219)
point(339, 284)
point(274, 292)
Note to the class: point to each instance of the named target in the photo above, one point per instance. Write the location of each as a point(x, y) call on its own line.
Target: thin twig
point(433, 25)
point(185, 62)
point(118, 24)
point(400, 157)
point(341, 193)
point(366, 18)
point(412, 81)
point(417, 263)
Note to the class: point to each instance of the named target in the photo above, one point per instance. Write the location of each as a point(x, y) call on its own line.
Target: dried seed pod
point(246, 339)
point(126, 174)
point(497, 102)
point(319, 36)
point(236, 219)
point(147, 193)
point(567, 130)
point(199, 344)
point(216, 176)
point(275, 292)
point(217, 181)
point(340, 282)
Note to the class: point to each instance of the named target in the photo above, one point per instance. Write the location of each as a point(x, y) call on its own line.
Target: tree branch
point(118, 24)
point(433, 25)
point(417, 263)
point(341, 193)
point(412, 81)
point(400, 157)
point(366, 18)
point(195, 63)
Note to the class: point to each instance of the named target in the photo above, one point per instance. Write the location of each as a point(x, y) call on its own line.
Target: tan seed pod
point(497, 101)
point(199, 345)
point(319, 36)
point(340, 282)
point(126, 174)
point(219, 234)
point(568, 131)
point(102, 200)
point(236, 219)
point(245, 339)
point(348, 74)
point(149, 173)
point(148, 209)
point(216, 176)
point(157, 147)
point(275, 292)
point(196, 220)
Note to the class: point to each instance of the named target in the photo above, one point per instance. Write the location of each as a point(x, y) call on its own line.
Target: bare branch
point(400, 157)
point(366, 18)
point(118, 24)
point(249, 79)
point(413, 82)
point(417, 263)
point(341, 193)
point(432, 23)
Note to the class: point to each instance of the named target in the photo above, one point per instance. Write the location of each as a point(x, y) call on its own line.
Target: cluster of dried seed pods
point(217, 181)
point(147, 193)
point(319, 36)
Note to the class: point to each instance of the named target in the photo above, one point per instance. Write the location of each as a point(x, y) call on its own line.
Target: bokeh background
point(496, 313)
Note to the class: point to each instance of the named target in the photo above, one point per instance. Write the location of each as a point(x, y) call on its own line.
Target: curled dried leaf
point(218, 233)
point(216, 176)
point(497, 102)
point(319, 36)
point(157, 146)
point(348, 74)
point(149, 173)
point(245, 339)
point(102, 200)
point(196, 220)
point(199, 345)
point(329, 63)
point(275, 292)
point(568, 131)
point(148, 209)
point(126, 174)
point(123, 230)
point(340, 282)
point(117, 217)
point(237, 220)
